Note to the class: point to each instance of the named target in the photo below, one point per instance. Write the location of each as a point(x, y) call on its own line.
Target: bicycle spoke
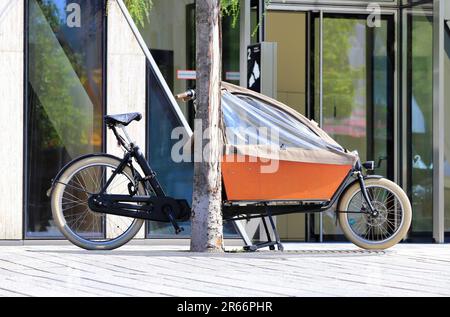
point(372, 228)
point(75, 207)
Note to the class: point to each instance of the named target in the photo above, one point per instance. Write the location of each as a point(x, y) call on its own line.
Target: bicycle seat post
point(127, 136)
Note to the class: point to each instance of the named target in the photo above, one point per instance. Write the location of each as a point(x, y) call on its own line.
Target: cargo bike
point(301, 170)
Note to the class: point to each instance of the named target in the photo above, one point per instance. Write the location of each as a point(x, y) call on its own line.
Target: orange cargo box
point(244, 180)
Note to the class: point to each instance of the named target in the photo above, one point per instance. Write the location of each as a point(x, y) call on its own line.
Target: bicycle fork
point(365, 194)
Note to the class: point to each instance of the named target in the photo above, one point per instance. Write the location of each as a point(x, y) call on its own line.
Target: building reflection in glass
point(65, 96)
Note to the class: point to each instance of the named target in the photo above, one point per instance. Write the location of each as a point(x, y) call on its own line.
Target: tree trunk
point(207, 226)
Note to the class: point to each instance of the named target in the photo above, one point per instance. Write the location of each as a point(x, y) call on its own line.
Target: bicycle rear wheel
point(77, 222)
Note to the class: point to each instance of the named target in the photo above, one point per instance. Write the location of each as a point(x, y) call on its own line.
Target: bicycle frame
point(257, 209)
point(263, 209)
point(159, 207)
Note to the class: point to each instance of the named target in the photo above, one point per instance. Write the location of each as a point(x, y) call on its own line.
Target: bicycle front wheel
point(379, 232)
point(77, 222)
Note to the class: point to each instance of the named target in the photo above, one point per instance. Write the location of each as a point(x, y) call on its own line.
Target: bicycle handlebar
point(187, 95)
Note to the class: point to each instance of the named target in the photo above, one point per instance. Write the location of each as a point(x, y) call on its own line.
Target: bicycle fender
point(356, 182)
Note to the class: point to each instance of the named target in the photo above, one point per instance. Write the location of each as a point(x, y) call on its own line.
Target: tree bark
point(207, 226)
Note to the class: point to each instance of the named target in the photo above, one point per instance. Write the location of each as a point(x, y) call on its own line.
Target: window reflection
point(65, 96)
point(176, 178)
point(420, 104)
point(357, 91)
point(170, 36)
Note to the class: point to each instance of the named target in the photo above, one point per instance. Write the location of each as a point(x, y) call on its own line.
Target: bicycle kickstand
point(270, 244)
point(275, 231)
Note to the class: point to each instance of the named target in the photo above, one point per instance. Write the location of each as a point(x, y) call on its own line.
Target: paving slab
point(303, 270)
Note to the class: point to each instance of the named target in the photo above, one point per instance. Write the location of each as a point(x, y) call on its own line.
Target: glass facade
point(365, 105)
point(65, 96)
point(170, 35)
point(420, 117)
point(357, 77)
point(358, 89)
point(175, 178)
point(357, 96)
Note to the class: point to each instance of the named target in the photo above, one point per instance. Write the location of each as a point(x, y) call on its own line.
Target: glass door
point(339, 70)
point(419, 28)
point(352, 91)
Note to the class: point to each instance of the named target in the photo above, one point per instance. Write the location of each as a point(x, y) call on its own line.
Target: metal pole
point(239, 225)
point(321, 96)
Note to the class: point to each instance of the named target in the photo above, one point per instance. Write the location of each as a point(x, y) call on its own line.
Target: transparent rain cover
point(249, 121)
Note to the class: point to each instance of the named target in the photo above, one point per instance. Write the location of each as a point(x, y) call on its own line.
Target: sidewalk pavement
point(304, 270)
